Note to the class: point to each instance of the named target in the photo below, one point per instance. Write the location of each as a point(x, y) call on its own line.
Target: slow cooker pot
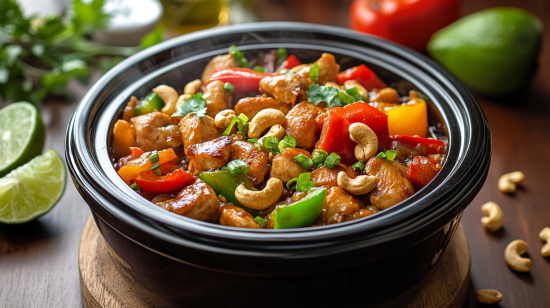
point(173, 260)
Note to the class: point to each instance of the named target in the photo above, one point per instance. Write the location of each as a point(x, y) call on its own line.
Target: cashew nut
point(492, 221)
point(260, 199)
point(192, 87)
point(264, 119)
point(358, 186)
point(489, 296)
point(507, 183)
point(512, 255)
point(366, 139)
point(360, 88)
point(169, 96)
point(545, 236)
point(224, 118)
point(275, 131)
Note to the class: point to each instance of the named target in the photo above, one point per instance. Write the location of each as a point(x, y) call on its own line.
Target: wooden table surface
point(38, 261)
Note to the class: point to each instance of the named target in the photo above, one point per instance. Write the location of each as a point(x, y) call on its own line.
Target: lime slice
point(33, 189)
point(22, 135)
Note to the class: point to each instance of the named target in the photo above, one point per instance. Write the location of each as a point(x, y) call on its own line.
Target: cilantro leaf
point(333, 97)
point(196, 105)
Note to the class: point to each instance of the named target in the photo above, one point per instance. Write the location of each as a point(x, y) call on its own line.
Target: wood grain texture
point(103, 286)
point(39, 261)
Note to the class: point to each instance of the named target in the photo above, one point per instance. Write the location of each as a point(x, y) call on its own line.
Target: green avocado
point(494, 51)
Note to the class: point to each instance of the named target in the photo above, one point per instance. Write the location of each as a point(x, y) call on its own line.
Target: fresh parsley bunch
point(38, 56)
point(331, 96)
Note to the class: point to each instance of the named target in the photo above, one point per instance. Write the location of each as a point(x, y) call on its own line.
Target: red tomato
point(406, 22)
point(433, 146)
point(173, 179)
point(289, 63)
point(363, 75)
point(243, 79)
point(422, 171)
point(361, 112)
point(335, 138)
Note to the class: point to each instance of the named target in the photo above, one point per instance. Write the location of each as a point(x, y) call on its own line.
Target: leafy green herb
point(332, 160)
point(354, 92)
point(238, 56)
point(196, 105)
point(229, 88)
point(258, 68)
point(389, 155)
point(281, 56)
point(238, 167)
point(304, 161)
point(331, 96)
point(314, 72)
point(287, 142)
point(260, 221)
point(271, 143)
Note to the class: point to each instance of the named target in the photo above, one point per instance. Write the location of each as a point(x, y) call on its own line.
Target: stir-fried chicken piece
point(223, 61)
point(128, 112)
point(329, 177)
point(198, 201)
point(250, 106)
point(236, 217)
point(339, 205)
point(393, 184)
point(284, 88)
point(208, 155)
point(301, 124)
point(154, 131)
point(328, 69)
point(256, 160)
point(363, 212)
point(194, 130)
point(284, 167)
point(386, 95)
point(217, 99)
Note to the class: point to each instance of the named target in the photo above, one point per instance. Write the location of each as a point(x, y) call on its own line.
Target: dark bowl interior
point(453, 115)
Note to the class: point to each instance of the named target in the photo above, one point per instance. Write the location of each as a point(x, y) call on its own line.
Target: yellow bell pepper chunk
point(409, 119)
point(143, 163)
point(123, 139)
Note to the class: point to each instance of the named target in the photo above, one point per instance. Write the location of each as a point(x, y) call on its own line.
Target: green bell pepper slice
point(225, 184)
point(301, 213)
point(148, 104)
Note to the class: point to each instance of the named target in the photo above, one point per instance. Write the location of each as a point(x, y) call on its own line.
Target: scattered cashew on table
point(489, 296)
point(493, 219)
point(507, 183)
point(545, 236)
point(512, 255)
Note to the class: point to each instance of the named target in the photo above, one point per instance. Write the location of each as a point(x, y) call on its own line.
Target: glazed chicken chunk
point(194, 130)
point(222, 61)
point(217, 99)
point(301, 124)
point(339, 205)
point(154, 132)
point(236, 217)
point(284, 88)
point(284, 167)
point(198, 201)
point(328, 69)
point(208, 155)
point(250, 106)
point(329, 177)
point(393, 183)
point(256, 160)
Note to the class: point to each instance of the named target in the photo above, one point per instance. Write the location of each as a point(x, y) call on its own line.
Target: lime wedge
point(22, 135)
point(33, 189)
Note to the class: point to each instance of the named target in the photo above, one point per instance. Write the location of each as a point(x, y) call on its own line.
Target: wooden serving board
point(102, 286)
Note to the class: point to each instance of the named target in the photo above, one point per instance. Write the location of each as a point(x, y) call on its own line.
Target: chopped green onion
point(343, 99)
point(359, 165)
point(243, 117)
point(332, 160)
point(158, 172)
point(238, 56)
point(287, 142)
point(304, 161)
point(228, 88)
point(252, 140)
point(261, 221)
point(155, 166)
point(391, 154)
point(381, 155)
point(259, 69)
point(289, 183)
point(225, 168)
point(318, 157)
point(136, 188)
point(281, 56)
point(284, 71)
point(304, 182)
point(353, 91)
point(314, 72)
point(271, 143)
point(237, 167)
point(258, 147)
point(242, 126)
point(154, 157)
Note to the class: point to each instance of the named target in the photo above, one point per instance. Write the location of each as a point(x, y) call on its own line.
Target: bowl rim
point(89, 177)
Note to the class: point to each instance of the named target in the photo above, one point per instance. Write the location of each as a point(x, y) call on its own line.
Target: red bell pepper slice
point(243, 79)
point(289, 63)
point(173, 179)
point(134, 153)
point(422, 171)
point(335, 138)
point(361, 112)
point(363, 75)
point(433, 146)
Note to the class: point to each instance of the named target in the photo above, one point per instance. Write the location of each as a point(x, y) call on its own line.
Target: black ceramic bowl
point(177, 261)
